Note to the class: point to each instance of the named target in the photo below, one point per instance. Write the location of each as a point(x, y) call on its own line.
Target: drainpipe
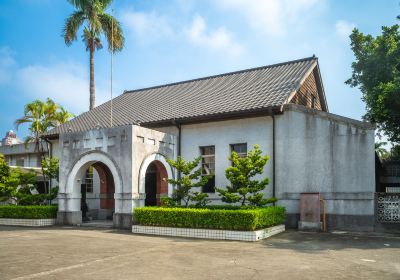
point(179, 126)
point(273, 156)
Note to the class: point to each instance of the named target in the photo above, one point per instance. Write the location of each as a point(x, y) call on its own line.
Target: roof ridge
point(224, 74)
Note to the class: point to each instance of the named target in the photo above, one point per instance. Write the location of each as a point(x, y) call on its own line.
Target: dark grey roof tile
point(235, 92)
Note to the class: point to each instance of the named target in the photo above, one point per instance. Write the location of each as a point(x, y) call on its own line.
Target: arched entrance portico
point(120, 157)
point(74, 194)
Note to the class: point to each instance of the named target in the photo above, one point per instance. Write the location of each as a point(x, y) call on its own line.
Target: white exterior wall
point(223, 133)
point(325, 153)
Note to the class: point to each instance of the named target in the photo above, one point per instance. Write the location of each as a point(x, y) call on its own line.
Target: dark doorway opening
point(151, 185)
point(156, 184)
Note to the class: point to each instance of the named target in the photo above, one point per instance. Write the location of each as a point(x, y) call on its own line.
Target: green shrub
point(212, 217)
point(28, 212)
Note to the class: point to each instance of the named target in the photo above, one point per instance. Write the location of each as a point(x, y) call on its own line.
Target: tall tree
point(92, 15)
point(244, 188)
point(376, 71)
point(41, 117)
point(191, 179)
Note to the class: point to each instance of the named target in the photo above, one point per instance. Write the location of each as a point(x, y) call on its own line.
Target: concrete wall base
point(27, 222)
point(389, 227)
point(210, 233)
point(69, 218)
point(339, 222)
point(310, 226)
point(122, 220)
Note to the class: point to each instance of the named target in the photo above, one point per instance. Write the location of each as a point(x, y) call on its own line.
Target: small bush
point(28, 212)
point(212, 217)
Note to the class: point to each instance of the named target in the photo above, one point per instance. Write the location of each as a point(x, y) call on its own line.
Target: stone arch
point(161, 163)
point(87, 159)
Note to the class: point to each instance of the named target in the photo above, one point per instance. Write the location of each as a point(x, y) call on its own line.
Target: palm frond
point(22, 120)
point(71, 27)
point(80, 4)
point(113, 32)
point(105, 3)
point(91, 40)
point(27, 140)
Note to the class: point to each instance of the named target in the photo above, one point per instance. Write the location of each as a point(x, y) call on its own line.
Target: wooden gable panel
point(308, 95)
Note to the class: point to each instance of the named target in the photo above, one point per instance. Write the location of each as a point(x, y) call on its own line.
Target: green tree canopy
point(190, 178)
point(41, 117)
point(244, 187)
point(20, 187)
point(376, 71)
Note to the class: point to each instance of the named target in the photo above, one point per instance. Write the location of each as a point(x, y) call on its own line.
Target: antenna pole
point(111, 72)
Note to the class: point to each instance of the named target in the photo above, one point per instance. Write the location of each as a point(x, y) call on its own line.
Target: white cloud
point(274, 17)
point(7, 64)
point(65, 83)
point(219, 39)
point(147, 26)
point(344, 28)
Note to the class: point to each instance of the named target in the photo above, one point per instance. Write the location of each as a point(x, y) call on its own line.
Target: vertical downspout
point(179, 145)
point(273, 157)
point(179, 126)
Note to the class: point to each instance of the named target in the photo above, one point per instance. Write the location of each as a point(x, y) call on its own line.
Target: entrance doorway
point(97, 189)
point(156, 184)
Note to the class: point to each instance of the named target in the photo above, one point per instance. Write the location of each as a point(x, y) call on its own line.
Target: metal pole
point(111, 72)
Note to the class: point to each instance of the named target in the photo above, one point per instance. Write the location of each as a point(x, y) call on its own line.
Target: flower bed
point(217, 217)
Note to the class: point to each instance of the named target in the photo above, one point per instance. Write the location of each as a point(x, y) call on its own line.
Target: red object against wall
point(162, 184)
point(107, 187)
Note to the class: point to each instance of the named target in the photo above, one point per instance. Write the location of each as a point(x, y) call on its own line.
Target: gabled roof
point(238, 93)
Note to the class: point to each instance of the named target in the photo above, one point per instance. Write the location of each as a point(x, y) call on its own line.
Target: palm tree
point(380, 150)
point(42, 116)
point(92, 14)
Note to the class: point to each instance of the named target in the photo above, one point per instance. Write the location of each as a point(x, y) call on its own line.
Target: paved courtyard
point(73, 253)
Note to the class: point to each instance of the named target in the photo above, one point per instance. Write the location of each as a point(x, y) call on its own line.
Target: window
point(89, 180)
point(208, 167)
point(240, 149)
point(38, 161)
point(20, 161)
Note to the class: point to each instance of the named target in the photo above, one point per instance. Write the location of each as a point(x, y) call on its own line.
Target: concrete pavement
point(76, 253)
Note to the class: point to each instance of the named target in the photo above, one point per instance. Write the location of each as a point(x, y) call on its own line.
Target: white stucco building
point(281, 107)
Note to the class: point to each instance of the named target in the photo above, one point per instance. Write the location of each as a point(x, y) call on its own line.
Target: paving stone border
point(209, 233)
point(27, 222)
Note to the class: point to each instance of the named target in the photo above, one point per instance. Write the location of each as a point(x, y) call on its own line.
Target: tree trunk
point(42, 157)
point(92, 94)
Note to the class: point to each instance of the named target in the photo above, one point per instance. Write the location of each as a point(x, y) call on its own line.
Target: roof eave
point(268, 111)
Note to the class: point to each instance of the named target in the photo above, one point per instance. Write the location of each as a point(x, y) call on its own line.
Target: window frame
point(20, 159)
point(241, 154)
point(211, 182)
point(89, 180)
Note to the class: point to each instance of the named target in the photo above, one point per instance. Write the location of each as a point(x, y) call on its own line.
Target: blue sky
point(170, 41)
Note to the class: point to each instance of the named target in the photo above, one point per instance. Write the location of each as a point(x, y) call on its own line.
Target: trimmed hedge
point(211, 218)
point(28, 212)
